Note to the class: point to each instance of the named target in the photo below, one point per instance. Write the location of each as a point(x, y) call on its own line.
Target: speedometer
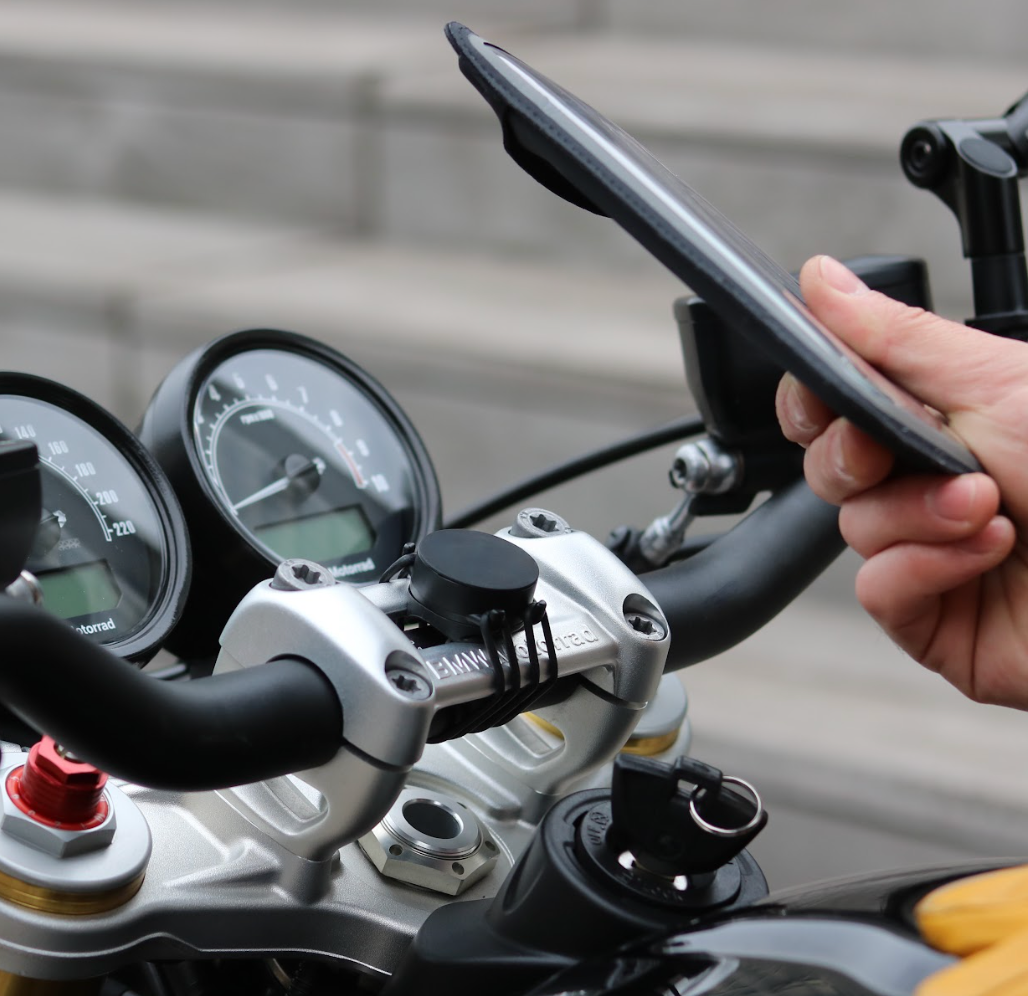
point(280, 447)
point(110, 553)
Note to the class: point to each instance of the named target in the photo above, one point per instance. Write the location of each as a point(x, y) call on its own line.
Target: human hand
point(946, 575)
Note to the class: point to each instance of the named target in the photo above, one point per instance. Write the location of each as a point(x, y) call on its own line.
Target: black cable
point(642, 442)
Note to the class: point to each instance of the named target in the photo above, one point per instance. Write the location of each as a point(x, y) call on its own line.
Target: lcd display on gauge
point(280, 447)
point(341, 533)
point(110, 554)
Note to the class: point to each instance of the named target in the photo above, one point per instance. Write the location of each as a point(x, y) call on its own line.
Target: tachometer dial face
point(280, 447)
point(110, 552)
point(305, 462)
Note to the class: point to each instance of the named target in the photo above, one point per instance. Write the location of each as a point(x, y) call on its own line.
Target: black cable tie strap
point(532, 616)
point(523, 699)
point(488, 622)
point(537, 615)
point(551, 650)
point(476, 719)
point(514, 667)
point(509, 702)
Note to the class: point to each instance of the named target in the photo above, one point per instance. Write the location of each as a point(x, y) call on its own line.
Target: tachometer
point(280, 447)
point(111, 554)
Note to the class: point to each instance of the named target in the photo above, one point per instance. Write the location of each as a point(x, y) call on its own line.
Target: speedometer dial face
point(305, 462)
point(280, 447)
point(109, 555)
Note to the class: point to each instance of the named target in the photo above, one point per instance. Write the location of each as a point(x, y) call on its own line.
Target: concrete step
point(989, 30)
point(357, 120)
point(941, 27)
point(142, 286)
point(798, 147)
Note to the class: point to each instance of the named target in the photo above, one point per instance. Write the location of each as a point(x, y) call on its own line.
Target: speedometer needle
point(301, 473)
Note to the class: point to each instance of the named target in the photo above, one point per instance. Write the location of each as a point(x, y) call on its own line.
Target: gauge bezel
point(167, 430)
point(150, 633)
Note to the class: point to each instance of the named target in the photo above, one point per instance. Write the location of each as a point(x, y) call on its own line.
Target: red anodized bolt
point(57, 790)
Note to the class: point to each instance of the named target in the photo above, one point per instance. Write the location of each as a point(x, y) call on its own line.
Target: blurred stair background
point(173, 171)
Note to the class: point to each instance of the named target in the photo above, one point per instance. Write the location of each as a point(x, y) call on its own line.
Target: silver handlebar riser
point(605, 626)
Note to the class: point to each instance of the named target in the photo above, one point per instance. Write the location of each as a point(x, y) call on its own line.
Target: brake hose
point(641, 442)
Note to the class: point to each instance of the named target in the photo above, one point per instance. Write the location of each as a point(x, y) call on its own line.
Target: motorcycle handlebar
point(725, 593)
point(284, 716)
point(225, 730)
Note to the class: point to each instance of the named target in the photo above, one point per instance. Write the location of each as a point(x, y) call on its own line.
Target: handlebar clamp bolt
point(301, 575)
point(408, 683)
point(646, 626)
point(537, 523)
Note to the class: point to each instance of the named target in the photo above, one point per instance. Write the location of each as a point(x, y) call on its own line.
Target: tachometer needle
point(276, 487)
point(302, 474)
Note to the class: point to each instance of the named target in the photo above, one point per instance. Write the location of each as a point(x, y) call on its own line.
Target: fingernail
point(794, 408)
point(839, 278)
point(954, 498)
point(837, 454)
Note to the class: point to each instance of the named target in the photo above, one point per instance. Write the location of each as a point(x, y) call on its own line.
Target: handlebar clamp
point(400, 687)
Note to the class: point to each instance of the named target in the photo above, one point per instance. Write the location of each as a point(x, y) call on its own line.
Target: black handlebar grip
point(725, 593)
point(229, 729)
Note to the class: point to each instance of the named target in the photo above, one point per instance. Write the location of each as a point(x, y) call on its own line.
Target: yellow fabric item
point(973, 913)
point(999, 970)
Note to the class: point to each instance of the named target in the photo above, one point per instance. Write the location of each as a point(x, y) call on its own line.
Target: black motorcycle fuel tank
point(846, 937)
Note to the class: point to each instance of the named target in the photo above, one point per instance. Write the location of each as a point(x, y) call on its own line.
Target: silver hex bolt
point(55, 841)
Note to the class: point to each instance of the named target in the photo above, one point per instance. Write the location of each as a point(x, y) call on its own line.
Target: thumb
point(935, 359)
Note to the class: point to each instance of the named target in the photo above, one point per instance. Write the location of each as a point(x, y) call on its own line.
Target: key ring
point(727, 831)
